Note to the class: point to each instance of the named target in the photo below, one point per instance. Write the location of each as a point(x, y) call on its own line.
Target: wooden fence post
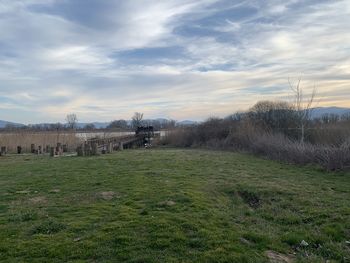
point(80, 150)
point(52, 151)
point(3, 150)
point(87, 149)
point(109, 147)
point(32, 148)
point(94, 149)
point(65, 148)
point(59, 149)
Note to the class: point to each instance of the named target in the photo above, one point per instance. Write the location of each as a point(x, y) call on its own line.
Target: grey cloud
point(62, 56)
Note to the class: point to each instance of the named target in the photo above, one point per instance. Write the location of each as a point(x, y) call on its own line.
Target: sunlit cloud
point(176, 59)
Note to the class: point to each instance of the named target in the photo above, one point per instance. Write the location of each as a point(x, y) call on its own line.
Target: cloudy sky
point(180, 59)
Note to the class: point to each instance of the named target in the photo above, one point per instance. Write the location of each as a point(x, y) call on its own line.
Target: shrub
point(249, 138)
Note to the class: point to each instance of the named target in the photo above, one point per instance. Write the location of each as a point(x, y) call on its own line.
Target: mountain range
point(316, 113)
point(320, 111)
point(5, 123)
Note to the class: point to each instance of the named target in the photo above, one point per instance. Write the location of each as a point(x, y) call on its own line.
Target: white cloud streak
point(231, 55)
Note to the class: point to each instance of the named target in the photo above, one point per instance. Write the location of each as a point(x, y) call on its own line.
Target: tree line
point(71, 123)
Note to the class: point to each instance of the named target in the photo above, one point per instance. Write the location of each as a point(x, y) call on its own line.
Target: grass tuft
point(48, 227)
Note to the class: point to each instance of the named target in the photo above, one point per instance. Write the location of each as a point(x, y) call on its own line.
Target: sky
point(178, 59)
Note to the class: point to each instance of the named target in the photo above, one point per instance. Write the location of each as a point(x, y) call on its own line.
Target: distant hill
point(3, 124)
point(319, 111)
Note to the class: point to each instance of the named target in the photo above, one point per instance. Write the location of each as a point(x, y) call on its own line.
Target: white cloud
point(226, 61)
point(74, 57)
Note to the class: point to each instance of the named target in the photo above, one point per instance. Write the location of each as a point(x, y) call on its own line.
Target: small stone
point(77, 239)
point(170, 203)
point(347, 242)
point(304, 243)
point(245, 241)
point(107, 195)
point(166, 203)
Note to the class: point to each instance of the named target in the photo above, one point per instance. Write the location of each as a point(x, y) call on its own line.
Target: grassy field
point(165, 205)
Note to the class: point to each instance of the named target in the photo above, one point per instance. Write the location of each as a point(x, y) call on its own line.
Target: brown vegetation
point(24, 139)
point(272, 130)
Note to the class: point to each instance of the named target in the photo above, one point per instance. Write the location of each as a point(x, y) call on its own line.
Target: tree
point(120, 124)
point(170, 124)
point(55, 126)
point(72, 120)
point(137, 119)
point(302, 105)
point(276, 116)
point(89, 127)
point(345, 117)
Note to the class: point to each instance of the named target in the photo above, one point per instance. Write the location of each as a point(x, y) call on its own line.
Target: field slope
point(165, 205)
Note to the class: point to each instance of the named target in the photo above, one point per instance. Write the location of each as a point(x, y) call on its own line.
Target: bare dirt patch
point(275, 257)
point(166, 203)
point(38, 200)
point(109, 195)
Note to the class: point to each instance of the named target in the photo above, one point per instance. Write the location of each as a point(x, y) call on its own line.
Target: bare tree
point(72, 120)
point(303, 106)
point(137, 119)
point(171, 124)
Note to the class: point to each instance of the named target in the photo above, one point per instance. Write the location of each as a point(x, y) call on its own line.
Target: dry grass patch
point(275, 257)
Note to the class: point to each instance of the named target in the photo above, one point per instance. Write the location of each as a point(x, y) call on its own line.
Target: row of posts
point(91, 148)
point(86, 149)
point(59, 149)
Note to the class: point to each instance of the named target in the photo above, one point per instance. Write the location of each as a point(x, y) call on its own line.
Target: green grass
point(165, 205)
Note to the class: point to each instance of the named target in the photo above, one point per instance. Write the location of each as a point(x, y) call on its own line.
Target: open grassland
point(165, 205)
